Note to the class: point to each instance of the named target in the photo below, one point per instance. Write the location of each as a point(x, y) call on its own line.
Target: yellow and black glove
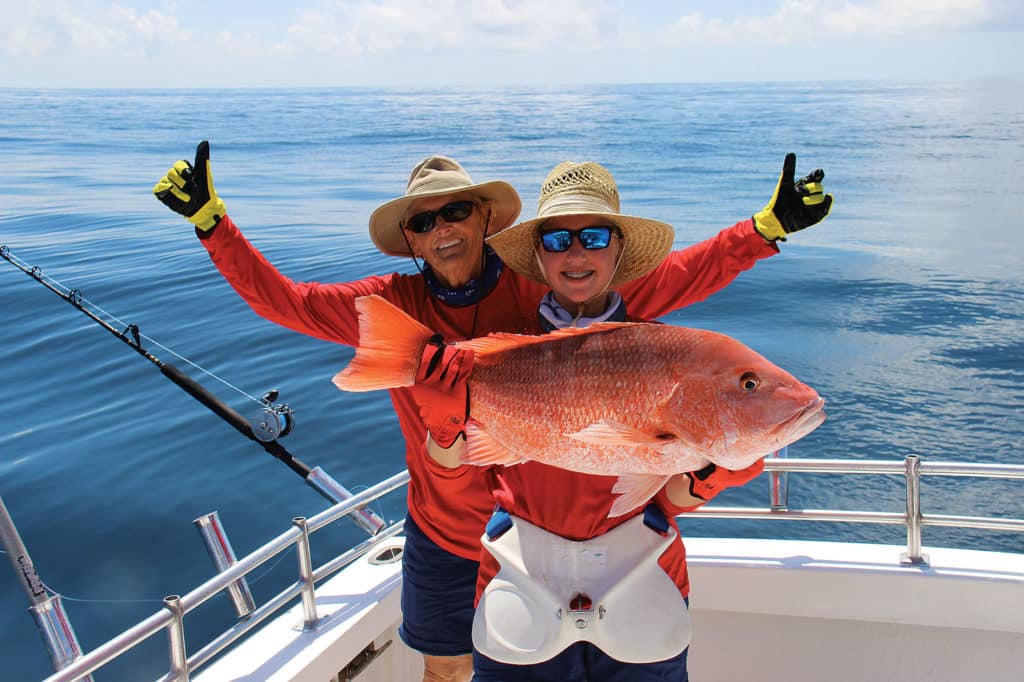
point(794, 206)
point(188, 190)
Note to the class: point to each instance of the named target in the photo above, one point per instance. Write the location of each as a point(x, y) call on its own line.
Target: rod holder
point(223, 557)
point(47, 610)
point(57, 633)
point(322, 482)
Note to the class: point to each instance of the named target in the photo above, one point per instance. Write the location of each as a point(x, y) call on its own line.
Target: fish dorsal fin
point(502, 341)
point(634, 490)
point(608, 432)
point(483, 450)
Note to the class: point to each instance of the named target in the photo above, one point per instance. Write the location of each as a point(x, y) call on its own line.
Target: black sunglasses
point(454, 212)
point(590, 238)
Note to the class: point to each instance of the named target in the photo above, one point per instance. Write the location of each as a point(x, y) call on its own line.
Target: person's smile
point(448, 246)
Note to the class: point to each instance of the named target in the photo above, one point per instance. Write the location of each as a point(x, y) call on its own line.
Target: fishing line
point(150, 600)
point(76, 298)
point(99, 601)
point(271, 422)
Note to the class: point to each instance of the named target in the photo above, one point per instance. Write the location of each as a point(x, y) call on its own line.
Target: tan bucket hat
point(435, 176)
point(586, 188)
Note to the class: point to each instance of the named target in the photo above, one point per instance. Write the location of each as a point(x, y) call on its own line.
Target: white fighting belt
point(552, 592)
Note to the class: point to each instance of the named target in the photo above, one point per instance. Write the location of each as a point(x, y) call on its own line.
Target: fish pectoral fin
point(689, 435)
point(608, 432)
point(634, 490)
point(483, 450)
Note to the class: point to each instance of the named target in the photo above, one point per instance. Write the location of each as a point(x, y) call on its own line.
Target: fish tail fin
point(390, 346)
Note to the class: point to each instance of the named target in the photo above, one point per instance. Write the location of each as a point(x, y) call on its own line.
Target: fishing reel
point(273, 420)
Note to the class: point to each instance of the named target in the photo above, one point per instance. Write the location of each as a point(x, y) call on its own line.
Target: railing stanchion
point(176, 639)
point(309, 616)
point(778, 483)
point(913, 474)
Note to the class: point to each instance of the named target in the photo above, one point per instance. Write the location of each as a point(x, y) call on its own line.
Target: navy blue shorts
point(581, 661)
point(438, 589)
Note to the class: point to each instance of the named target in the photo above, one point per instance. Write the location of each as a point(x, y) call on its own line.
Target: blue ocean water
point(905, 309)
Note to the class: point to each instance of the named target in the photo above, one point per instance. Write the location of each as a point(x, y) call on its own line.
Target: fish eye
point(749, 382)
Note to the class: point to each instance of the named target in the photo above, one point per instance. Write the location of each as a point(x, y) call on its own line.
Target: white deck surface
point(796, 611)
point(357, 606)
point(762, 610)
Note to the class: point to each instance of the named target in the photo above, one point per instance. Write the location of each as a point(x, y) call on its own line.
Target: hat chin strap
point(618, 262)
point(412, 254)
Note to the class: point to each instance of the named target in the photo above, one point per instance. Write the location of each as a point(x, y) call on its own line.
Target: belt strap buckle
point(581, 610)
point(499, 522)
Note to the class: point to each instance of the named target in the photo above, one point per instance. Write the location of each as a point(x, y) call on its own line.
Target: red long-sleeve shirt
point(452, 505)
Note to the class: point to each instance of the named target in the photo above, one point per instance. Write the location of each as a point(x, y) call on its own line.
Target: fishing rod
point(272, 421)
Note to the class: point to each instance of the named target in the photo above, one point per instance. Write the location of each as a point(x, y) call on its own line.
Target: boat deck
point(765, 609)
point(762, 609)
point(796, 610)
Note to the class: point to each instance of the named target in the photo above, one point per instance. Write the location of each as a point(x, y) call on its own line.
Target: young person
point(582, 247)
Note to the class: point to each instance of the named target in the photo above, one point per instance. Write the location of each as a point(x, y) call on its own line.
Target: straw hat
point(585, 189)
point(436, 176)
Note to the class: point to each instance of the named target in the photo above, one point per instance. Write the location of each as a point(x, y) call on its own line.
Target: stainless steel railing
point(911, 468)
point(176, 607)
point(171, 618)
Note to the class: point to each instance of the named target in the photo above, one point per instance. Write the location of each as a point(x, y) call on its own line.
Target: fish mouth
point(808, 418)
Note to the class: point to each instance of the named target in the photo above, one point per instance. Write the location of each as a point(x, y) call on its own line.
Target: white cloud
point(807, 21)
point(883, 17)
point(189, 43)
point(36, 28)
point(412, 27)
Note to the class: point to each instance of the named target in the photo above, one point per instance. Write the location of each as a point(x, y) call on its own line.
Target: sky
point(479, 43)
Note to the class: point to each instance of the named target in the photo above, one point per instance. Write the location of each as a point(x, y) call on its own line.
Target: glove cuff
point(702, 483)
point(768, 226)
point(207, 217)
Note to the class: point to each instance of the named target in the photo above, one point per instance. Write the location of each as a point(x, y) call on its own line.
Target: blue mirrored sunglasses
point(453, 212)
point(591, 238)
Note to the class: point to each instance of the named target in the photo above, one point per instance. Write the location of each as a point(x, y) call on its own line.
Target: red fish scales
point(563, 387)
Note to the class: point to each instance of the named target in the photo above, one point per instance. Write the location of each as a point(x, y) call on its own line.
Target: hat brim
point(385, 221)
point(647, 243)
